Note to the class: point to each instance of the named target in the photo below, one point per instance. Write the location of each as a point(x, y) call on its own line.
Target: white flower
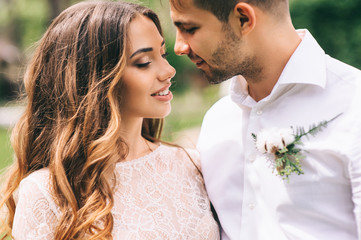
point(283, 143)
point(274, 139)
point(261, 143)
point(287, 136)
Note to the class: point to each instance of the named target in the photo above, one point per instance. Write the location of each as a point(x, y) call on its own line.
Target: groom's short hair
point(222, 8)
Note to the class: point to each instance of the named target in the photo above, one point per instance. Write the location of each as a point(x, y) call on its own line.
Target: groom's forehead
point(181, 5)
point(185, 12)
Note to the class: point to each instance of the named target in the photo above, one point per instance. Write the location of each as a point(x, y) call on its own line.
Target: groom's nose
point(181, 46)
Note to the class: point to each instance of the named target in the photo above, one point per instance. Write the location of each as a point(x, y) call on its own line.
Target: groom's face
point(212, 45)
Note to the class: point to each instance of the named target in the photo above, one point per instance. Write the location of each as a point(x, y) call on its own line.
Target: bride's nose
point(167, 71)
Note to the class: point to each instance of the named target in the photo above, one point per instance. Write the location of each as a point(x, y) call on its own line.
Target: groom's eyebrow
point(182, 24)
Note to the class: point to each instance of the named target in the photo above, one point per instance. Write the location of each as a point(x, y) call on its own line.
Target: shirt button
point(259, 112)
point(251, 206)
point(251, 158)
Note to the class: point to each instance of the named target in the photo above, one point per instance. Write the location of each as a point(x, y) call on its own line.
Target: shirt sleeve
point(35, 217)
point(354, 150)
point(355, 176)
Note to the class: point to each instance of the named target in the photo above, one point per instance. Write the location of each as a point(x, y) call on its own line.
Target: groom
point(281, 78)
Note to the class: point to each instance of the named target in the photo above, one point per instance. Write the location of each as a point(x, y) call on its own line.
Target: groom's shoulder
point(343, 71)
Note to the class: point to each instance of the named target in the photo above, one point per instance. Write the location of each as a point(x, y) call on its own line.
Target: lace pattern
point(36, 214)
point(159, 196)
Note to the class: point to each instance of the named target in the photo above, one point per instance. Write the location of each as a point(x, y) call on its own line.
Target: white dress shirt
point(252, 201)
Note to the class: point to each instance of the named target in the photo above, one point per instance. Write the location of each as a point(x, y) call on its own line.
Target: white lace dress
point(159, 196)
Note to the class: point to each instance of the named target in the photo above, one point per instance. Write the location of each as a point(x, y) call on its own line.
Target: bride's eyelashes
point(146, 64)
point(142, 65)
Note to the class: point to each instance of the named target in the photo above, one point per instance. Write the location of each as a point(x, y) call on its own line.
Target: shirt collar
point(239, 91)
point(306, 66)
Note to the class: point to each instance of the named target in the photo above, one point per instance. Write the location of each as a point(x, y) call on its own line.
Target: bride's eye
point(142, 65)
point(143, 62)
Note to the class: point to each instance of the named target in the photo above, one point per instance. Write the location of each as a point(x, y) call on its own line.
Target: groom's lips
point(198, 62)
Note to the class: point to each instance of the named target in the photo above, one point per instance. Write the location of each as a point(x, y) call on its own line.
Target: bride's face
point(147, 74)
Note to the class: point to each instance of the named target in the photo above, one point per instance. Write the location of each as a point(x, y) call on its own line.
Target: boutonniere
point(284, 144)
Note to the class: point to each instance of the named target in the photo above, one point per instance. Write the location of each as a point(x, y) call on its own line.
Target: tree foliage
point(335, 24)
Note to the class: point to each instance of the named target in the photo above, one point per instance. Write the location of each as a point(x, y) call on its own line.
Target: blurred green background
point(335, 24)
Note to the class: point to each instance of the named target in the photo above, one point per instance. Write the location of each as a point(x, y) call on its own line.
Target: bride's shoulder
point(35, 190)
point(40, 176)
point(36, 183)
point(36, 212)
point(182, 151)
point(187, 154)
point(194, 156)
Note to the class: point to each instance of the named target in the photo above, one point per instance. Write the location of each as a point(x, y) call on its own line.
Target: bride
point(89, 160)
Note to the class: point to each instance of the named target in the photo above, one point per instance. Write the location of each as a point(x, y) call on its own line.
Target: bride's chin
point(161, 114)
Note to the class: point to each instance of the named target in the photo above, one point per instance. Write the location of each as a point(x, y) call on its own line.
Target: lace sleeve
point(35, 216)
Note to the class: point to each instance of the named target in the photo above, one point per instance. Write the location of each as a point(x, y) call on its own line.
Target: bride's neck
point(131, 130)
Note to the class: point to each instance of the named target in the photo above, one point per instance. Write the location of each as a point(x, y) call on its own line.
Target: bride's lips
point(163, 94)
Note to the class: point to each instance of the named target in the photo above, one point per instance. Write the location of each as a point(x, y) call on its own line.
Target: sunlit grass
point(188, 110)
point(1, 236)
point(6, 153)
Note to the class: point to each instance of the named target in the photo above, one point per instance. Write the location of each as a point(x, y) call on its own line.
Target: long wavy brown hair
point(72, 118)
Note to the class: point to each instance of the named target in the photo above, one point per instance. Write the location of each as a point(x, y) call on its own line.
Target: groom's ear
point(245, 16)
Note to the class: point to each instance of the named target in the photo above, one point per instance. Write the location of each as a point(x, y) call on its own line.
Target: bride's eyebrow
point(142, 50)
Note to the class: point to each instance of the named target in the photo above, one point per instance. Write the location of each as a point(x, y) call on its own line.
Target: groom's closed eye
point(191, 30)
point(186, 27)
